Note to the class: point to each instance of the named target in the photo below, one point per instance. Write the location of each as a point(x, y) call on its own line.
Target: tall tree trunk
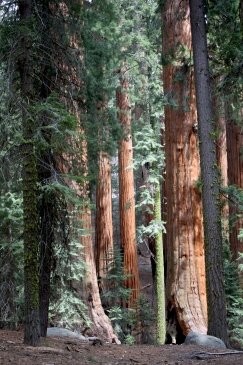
point(31, 257)
point(8, 268)
point(160, 288)
point(241, 16)
point(185, 279)
point(104, 228)
point(88, 289)
point(235, 163)
point(235, 177)
point(221, 150)
point(47, 215)
point(126, 191)
point(101, 323)
point(210, 179)
point(220, 122)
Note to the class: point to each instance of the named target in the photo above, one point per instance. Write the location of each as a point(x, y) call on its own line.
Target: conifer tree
point(210, 179)
point(87, 289)
point(225, 44)
point(31, 251)
point(185, 276)
point(126, 190)
point(104, 228)
point(160, 288)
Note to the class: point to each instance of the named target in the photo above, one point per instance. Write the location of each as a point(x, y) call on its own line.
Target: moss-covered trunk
point(31, 257)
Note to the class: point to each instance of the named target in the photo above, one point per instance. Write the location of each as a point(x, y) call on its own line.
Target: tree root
point(206, 355)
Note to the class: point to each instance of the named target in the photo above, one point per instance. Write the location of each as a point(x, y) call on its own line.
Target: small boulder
point(63, 332)
point(194, 338)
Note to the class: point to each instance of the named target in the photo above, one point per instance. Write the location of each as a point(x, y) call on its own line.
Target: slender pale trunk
point(126, 192)
point(185, 276)
point(210, 177)
point(160, 287)
point(31, 252)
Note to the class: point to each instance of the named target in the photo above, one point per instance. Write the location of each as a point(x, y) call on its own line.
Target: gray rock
point(194, 338)
point(63, 332)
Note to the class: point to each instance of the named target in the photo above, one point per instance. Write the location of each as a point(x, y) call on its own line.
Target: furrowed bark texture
point(101, 323)
point(210, 179)
point(126, 192)
point(87, 289)
point(185, 276)
point(235, 177)
point(31, 257)
point(104, 228)
point(221, 150)
point(235, 166)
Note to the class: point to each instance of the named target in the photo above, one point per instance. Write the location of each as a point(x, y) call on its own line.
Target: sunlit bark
point(185, 277)
point(104, 228)
point(126, 191)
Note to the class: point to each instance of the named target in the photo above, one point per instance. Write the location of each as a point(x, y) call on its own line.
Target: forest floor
point(65, 351)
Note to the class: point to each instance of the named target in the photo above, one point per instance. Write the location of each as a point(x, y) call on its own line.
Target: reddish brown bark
point(77, 163)
point(185, 284)
point(88, 288)
point(126, 192)
point(104, 228)
point(221, 150)
point(235, 169)
point(235, 177)
point(221, 146)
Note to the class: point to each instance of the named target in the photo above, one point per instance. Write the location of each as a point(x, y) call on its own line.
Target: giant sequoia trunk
point(185, 277)
point(126, 191)
point(210, 179)
point(31, 258)
point(221, 150)
point(104, 228)
point(235, 177)
point(87, 289)
point(220, 123)
point(235, 162)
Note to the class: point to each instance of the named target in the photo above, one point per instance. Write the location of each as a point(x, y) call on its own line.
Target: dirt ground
point(63, 351)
